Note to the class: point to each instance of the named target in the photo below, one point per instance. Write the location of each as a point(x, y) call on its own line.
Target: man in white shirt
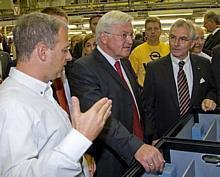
point(37, 138)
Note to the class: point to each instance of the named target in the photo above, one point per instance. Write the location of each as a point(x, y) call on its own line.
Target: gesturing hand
point(92, 121)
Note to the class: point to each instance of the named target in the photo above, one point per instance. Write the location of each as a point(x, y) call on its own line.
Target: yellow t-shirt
point(145, 53)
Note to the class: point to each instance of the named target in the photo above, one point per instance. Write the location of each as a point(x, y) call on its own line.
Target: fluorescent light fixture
point(86, 25)
point(74, 32)
point(165, 28)
point(164, 13)
point(167, 21)
point(199, 20)
point(138, 22)
point(72, 26)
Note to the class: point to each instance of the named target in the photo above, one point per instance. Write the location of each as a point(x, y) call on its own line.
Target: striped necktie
point(183, 90)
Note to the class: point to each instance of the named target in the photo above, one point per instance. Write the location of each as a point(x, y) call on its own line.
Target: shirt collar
point(215, 30)
point(108, 57)
point(176, 60)
point(36, 85)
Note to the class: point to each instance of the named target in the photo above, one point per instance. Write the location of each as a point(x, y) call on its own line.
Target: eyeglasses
point(123, 36)
point(181, 40)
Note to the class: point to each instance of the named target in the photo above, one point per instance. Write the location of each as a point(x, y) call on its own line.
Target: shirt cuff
point(74, 145)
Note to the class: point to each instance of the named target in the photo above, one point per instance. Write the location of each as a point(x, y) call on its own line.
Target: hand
point(150, 158)
point(92, 121)
point(91, 164)
point(208, 105)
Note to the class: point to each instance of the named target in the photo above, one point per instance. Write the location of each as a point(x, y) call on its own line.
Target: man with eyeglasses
point(178, 81)
point(211, 23)
point(106, 73)
point(150, 50)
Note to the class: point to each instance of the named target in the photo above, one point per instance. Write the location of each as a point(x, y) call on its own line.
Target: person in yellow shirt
point(150, 50)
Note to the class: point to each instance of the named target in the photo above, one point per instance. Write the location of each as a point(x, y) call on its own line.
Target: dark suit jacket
point(160, 93)
point(91, 78)
point(216, 69)
point(5, 61)
point(211, 41)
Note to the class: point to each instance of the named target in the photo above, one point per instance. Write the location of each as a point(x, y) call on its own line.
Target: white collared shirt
point(215, 30)
point(202, 54)
point(36, 137)
point(187, 69)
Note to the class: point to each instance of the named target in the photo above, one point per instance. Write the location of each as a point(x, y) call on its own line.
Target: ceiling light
point(138, 22)
point(199, 20)
point(167, 21)
point(72, 26)
point(163, 13)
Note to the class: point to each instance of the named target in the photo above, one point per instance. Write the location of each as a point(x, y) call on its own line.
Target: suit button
point(130, 103)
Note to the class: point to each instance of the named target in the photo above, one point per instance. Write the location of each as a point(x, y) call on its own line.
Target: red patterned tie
point(60, 93)
point(183, 90)
point(137, 129)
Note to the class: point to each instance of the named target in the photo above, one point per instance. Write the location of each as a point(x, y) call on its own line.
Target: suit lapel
point(171, 84)
point(196, 71)
point(208, 40)
point(102, 61)
point(129, 75)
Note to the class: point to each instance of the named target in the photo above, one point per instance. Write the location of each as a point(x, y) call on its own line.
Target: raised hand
point(92, 121)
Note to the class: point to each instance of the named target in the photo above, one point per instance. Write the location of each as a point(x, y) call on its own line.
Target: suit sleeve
point(85, 83)
point(211, 90)
point(216, 70)
point(149, 100)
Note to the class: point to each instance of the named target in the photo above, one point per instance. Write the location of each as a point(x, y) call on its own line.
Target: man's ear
point(103, 38)
point(42, 50)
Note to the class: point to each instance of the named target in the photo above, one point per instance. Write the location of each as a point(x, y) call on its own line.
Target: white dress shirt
point(36, 137)
point(187, 69)
point(202, 54)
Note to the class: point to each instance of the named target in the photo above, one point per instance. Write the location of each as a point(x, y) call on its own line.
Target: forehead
point(127, 27)
point(199, 31)
point(152, 24)
point(91, 40)
point(180, 31)
point(62, 35)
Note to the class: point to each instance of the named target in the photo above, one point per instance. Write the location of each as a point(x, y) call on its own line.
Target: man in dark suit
point(216, 69)
point(211, 22)
point(166, 101)
point(95, 76)
point(5, 61)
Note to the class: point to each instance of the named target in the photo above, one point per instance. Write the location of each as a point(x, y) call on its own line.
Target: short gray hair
point(212, 16)
point(187, 24)
point(32, 29)
point(111, 18)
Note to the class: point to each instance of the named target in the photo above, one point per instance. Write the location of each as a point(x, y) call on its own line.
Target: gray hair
point(111, 18)
point(32, 29)
point(187, 24)
point(212, 16)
